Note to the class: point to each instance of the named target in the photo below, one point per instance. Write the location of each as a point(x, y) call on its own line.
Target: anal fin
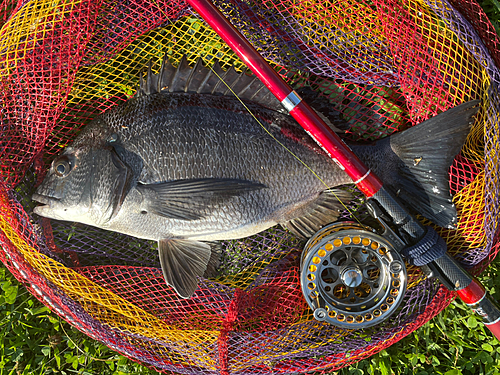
point(322, 211)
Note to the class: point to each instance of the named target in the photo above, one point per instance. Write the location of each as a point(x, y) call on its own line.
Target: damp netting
point(385, 65)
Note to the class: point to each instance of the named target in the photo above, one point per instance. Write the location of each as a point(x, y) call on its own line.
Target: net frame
point(48, 101)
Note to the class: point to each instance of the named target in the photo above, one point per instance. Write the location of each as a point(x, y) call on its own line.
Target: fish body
point(189, 137)
point(189, 168)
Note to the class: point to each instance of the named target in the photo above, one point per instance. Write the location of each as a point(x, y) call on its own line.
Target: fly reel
point(351, 277)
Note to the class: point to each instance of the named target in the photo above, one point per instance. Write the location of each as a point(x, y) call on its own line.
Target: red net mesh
point(384, 66)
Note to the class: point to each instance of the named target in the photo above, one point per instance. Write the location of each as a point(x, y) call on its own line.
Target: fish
point(189, 161)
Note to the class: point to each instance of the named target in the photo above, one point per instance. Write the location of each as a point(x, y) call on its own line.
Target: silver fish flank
point(184, 163)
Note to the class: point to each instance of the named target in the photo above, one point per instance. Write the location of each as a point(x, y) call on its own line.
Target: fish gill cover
point(384, 65)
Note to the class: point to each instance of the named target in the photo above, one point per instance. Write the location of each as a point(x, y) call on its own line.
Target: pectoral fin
point(182, 261)
point(194, 198)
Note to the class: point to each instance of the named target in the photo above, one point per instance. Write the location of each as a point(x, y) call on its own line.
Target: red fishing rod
point(416, 237)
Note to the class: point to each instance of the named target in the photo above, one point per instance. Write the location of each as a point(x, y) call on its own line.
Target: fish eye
point(62, 166)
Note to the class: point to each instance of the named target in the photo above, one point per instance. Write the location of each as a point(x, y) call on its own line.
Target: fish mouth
point(44, 199)
point(46, 206)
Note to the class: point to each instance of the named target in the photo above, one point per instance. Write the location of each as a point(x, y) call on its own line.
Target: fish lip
point(44, 199)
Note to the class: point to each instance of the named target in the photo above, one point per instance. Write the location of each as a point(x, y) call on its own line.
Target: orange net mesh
point(384, 65)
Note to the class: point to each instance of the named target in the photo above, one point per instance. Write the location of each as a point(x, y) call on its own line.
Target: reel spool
point(351, 277)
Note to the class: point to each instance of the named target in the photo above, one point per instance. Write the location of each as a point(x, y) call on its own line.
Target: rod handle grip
point(494, 328)
point(469, 290)
point(476, 297)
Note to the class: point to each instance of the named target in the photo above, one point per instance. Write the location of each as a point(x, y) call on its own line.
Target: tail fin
point(416, 162)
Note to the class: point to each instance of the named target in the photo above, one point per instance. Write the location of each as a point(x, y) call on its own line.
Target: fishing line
point(286, 148)
point(274, 138)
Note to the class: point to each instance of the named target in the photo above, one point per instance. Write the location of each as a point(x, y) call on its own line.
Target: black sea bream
point(184, 163)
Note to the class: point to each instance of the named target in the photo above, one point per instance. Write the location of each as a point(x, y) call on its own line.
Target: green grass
point(35, 341)
point(454, 342)
point(492, 9)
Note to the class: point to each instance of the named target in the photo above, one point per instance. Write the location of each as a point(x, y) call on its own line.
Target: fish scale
point(249, 154)
point(224, 143)
point(186, 169)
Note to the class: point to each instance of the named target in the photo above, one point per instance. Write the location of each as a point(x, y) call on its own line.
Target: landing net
point(385, 65)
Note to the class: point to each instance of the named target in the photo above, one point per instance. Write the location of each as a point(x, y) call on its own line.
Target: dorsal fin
point(203, 80)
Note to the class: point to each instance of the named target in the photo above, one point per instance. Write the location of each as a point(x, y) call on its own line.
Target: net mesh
point(385, 65)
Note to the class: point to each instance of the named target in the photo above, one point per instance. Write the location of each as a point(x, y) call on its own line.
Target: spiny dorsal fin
point(203, 80)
